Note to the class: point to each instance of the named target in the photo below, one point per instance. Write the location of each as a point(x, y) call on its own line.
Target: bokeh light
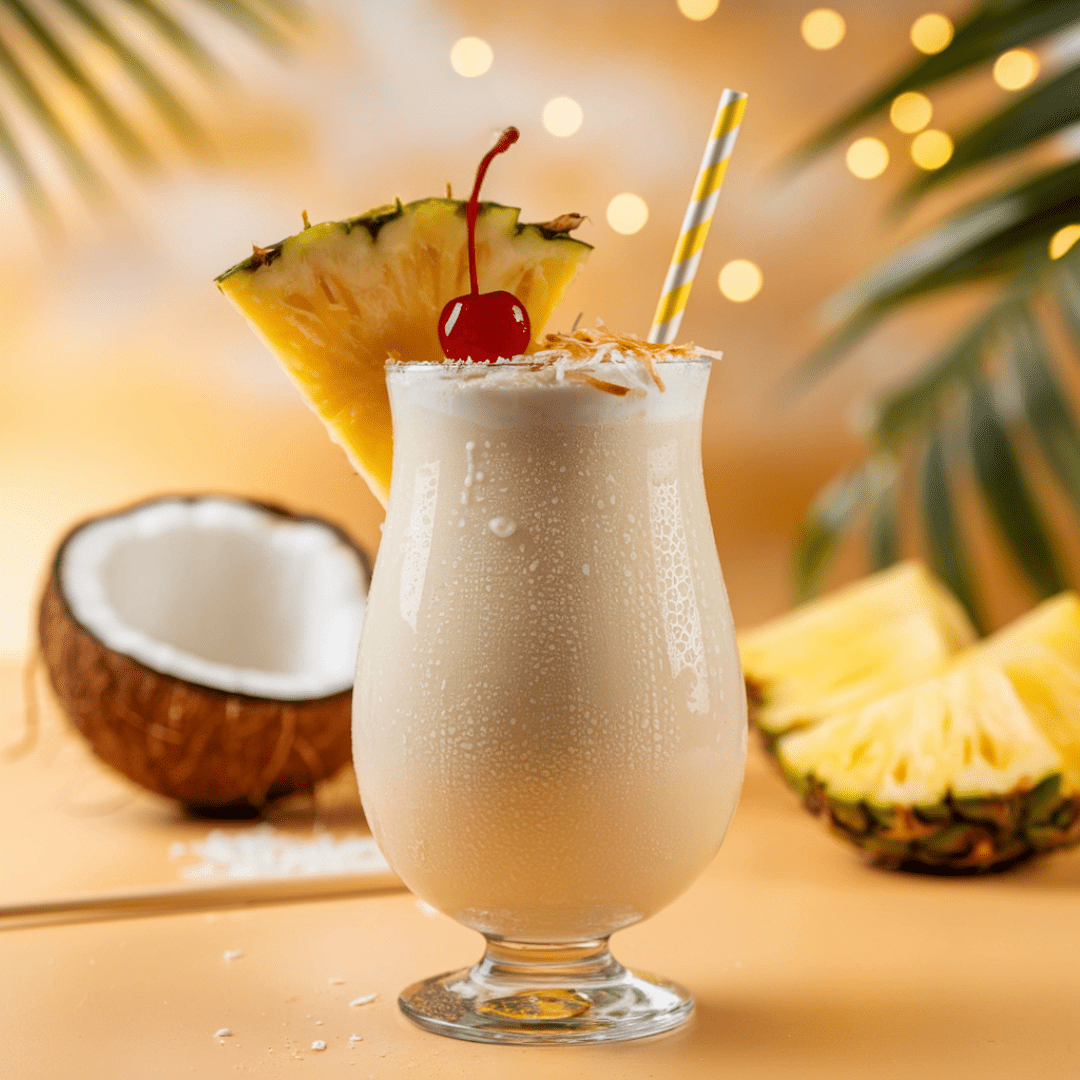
point(698, 9)
point(1063, 240)
point(910, 112)
point(931, 149)
point(627, 213)
point(867, 158)
point(471, 56)
point(562, 116)
point(930, 33)
point(823, 28)
point(1013, 70)
point(740, 280)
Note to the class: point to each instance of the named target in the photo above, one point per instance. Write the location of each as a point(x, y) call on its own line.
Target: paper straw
point(695, 227)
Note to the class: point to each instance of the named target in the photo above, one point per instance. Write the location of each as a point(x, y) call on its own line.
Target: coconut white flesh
point(222, 593)
point(966, 733)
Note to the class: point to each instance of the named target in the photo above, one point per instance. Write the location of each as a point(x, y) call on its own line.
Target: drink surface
point(549, 715)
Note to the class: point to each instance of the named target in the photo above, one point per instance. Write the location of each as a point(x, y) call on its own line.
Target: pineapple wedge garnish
point(337, 300)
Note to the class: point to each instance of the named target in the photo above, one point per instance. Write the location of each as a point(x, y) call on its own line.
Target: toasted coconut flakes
point(602, 345)
point(608, 387)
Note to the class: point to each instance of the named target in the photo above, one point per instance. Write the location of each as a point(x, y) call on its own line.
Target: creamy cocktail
point(549, 715)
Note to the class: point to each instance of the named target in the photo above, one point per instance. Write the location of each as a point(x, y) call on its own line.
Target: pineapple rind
point(1001, 795)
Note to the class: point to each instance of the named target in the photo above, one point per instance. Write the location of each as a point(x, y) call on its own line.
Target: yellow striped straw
point(695, 227)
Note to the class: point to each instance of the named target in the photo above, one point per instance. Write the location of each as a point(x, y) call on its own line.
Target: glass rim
point(518, 363)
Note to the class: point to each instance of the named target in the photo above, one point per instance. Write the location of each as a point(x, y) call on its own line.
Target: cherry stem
point(506, 140)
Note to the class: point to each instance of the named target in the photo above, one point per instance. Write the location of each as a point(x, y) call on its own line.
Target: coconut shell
point(210, 749)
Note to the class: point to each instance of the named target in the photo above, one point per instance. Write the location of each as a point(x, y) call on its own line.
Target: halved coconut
point(206, 646)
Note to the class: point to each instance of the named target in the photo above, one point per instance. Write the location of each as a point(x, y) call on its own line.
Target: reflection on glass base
point(545, 994)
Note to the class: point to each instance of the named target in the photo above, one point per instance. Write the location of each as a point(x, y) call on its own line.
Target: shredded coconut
point(222, 1033)
point(318, 1044)
point(232, 954)
point(262, 851)
point(365, 1000)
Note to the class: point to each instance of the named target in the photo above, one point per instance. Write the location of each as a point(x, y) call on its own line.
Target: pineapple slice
point(1055, 624)
point(334, 302)
point(958, 773)
point(850, 647)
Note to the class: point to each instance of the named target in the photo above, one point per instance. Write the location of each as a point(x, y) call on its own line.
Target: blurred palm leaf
point(69, 68)
point(993, 391)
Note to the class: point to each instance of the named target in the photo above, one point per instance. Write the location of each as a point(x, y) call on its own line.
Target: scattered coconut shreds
point(222, 1033)
point(232, 954)
point(602, 345)
point(356, 1038)
point(318, 1044)
point(367, 999)
point(261, 851)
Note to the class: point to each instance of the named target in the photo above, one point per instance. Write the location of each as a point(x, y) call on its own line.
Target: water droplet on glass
point(502, 527)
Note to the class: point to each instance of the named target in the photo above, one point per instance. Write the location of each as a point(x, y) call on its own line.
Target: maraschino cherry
point(484, 326)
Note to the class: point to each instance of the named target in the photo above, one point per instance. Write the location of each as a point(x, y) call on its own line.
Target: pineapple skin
point(955, 836)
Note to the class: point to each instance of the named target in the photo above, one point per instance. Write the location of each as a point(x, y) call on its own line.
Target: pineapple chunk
point(334, 302)
point(851, 647)
point(956, 773)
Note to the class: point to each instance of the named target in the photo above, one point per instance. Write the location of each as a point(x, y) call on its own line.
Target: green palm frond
point(43, 57)
point(989, 411)
point(992, 28)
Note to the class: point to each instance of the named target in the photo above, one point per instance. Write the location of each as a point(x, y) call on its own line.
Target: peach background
point(125, 373)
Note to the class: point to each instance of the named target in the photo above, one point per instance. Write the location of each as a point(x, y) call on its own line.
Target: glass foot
point(541, 994)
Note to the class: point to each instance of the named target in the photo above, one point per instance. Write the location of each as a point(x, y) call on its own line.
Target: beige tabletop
point(803, 962)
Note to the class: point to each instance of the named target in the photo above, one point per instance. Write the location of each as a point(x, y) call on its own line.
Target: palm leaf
point(1051, 107)
point(825, 525)
point(1007, 495)
point(122, 134)
point(883, 540)
point(47, 23)
point(907, 411)
point(1049, 415)
point(945, 546)
point(169, 107)
point(1068, 297)
point(996, 236)
point(42, 113)
point(993, 28)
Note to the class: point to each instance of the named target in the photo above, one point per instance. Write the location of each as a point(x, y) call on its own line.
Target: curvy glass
point(549, 715)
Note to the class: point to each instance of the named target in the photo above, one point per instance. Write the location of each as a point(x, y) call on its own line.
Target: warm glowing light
point(562, 116)
point(931, 33)
point(911, 112)
point(1016, 68)
point(1063, 239)
point(627, 213)
point(698, 9)
point(823, 28)
point(867, 158)
point(931, 149)
point(471, 56)
point(740, 280)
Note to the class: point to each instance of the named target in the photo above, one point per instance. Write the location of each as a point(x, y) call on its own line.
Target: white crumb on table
point(222, 1033)
point(356, 1038)
point(232, 954)
point(262, 851)
point(318, 1044)
point(365, 1000)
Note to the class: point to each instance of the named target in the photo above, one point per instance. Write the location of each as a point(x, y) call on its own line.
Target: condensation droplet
point(502, 527)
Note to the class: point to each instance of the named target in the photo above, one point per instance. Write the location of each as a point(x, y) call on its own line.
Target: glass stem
point(511, 964)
